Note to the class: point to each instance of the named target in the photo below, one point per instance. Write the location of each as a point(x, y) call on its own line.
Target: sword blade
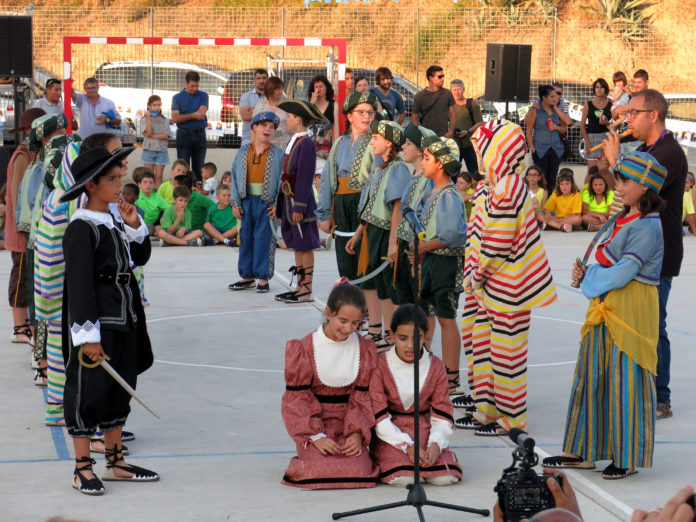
point(372, 274)
point(110, 370)
point(299, 228)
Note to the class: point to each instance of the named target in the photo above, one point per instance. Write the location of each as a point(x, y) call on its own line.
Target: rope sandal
point(453, 382)
point(380, 343)
point(463, 401)
point(467, 422)
point(139, 474)
point(564, 461)
point(492, 429)
point(294, 271)
point(22, 329)
point(40, 377)
point(611, 472)
point(305, 282)
point(87, 486)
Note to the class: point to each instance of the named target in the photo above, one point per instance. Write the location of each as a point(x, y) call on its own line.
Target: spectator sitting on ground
point(166, 189)
point(208, 171)
point(149, 200)
point(130, 193)
point(198, 204)
point(221, 225)
point(564, 206)
point(176, 222)
point(596, 202)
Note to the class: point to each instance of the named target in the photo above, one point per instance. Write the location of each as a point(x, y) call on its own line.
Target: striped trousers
point(139, 274)
point(56, 371)
point(495, 345)
point(611, 415)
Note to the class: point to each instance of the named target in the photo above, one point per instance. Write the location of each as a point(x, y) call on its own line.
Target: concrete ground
point(221, 447)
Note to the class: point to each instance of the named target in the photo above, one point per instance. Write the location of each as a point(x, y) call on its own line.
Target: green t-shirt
point(198, 205)
point(169, 217)
point(166, 190)
point(222, 219)
point(592, 204)
point(153, 206)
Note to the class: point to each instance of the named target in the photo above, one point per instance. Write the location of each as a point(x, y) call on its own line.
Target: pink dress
point(391, 390)
point(327, 394)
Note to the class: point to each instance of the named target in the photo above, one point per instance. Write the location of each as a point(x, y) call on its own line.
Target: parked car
point(130, 83)
point(296, 80)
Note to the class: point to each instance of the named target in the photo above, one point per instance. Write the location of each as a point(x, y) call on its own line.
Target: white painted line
point(551, 364)
point(66, 70)
point(134, 40)
point(242, 41)
point(170, 41)
point(217, 367)
point(232, 312)
point(206, 41)
point(94, 40)
point(277, 41)
point(313, 42)
point(321, 306)
point(341, 71)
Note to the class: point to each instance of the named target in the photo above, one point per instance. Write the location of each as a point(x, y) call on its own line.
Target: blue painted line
point(58, 436)
point(569, 288)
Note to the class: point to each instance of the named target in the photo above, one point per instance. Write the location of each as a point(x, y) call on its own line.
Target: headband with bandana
point(389, 130)
point(643, 168)
point(446, 151)
point(357, 98)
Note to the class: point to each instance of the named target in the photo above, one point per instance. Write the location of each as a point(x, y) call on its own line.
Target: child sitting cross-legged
point(221, 225)
point(210, 184)
point(166, 189)
point(564, 206)
point(176, 222)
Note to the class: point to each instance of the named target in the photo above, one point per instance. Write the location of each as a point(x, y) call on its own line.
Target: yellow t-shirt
point(564, 206)
point(688, 205)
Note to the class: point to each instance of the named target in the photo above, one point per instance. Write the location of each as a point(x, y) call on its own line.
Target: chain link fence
point(573, 52)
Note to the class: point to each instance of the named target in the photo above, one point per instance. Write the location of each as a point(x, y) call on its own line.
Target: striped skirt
point(499, 361)
point(611, 415)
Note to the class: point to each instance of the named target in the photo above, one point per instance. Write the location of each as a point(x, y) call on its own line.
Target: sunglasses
point(440, 76)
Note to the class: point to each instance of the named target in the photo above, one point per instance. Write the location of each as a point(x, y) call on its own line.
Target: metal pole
point(152, 50)
point(417, 45)
point(555, 33)
point(281, 65)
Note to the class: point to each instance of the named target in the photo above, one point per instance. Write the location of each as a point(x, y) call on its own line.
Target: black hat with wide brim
point(302, 109)
point(89, 164)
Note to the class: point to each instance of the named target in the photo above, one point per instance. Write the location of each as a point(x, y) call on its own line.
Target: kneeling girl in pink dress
point(392, 393)
point(326, 405)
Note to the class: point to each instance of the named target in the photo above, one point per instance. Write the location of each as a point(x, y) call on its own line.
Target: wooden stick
point(629, 132)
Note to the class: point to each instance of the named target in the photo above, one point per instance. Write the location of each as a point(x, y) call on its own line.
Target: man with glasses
point(433, 107)
point(97, 114)
point(248, 101)
point(646, 113)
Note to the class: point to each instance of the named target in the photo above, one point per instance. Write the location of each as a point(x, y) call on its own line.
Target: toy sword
point(110, 370)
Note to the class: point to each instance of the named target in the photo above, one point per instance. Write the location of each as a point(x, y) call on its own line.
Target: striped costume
point(506, 276)
point(49, 272)
point(611, 415)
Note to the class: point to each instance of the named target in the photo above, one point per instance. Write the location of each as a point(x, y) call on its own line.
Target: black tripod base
point(416, 498)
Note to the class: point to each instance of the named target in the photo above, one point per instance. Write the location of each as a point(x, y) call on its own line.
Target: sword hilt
point(81, 351)
point(576, 284)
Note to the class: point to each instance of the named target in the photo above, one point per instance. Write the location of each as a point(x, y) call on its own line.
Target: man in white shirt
point(97, 114)
point(52, 103)
point(248, 101)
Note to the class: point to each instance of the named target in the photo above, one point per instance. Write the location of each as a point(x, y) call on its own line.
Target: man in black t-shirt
point(433, 107)
point(646, 115)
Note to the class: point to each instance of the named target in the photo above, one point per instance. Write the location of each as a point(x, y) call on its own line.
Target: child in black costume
point(102, 314)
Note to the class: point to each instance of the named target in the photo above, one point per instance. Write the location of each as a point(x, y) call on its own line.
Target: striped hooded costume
point(49, 265)
point(506, 275)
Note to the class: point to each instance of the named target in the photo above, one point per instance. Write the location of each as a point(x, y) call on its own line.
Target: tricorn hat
point(302, 109)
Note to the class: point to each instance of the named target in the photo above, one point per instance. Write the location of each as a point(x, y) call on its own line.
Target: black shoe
point(463, 401)
point(262, 288)
point(467, 422)
point(127, 436)
point(242, 285)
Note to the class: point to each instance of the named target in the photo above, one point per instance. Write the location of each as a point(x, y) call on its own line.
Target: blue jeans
point(191, 146)
point(663, 347)
point(468, 154)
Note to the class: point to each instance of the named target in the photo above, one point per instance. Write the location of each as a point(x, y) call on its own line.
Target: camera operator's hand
point(676, 510)
point(498, 513)
point(564, 497)
point(431, 455)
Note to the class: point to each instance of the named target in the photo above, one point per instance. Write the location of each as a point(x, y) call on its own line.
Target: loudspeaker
point(507, 72)
point(16, 50)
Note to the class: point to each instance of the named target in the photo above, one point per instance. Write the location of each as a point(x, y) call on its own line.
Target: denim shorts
point(153, 157)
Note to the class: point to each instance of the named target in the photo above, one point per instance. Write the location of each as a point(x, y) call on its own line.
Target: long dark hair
point(566, 174)
point(542, 179)
point(323, 79)
point(407, 314)
point(590, 189)
point(346, 294)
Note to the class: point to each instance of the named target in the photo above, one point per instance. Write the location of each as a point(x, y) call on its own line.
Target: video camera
point(521, 491)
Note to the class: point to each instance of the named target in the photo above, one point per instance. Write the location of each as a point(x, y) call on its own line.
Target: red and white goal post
point(106, 50)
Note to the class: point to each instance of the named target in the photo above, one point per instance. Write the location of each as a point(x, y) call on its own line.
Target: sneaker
point(163, 243)
point(208, 241)
point(664, 410)
point(194, 242)
point(566, 228)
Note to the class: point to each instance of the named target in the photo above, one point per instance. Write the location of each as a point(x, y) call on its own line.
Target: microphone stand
point(416, 493)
